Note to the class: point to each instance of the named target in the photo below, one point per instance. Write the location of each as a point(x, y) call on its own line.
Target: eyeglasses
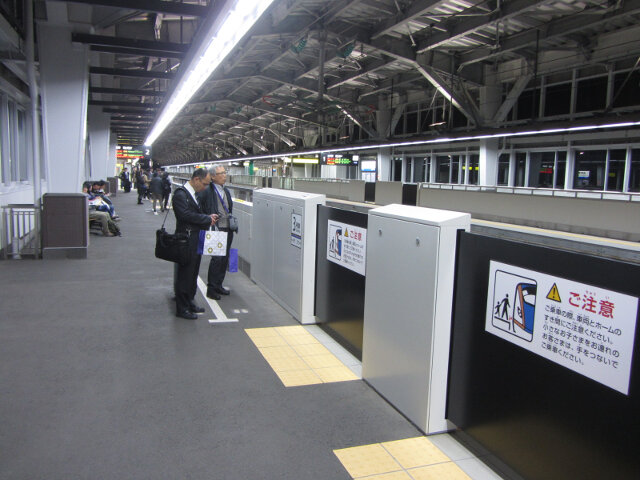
point(221, 173)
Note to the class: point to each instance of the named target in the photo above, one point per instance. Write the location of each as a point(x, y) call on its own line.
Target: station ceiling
point(275, 93)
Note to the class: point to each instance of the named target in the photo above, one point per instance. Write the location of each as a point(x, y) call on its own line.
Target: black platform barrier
point(409, 194)
point(339, 293)
point(370, 192)
point(528, 416)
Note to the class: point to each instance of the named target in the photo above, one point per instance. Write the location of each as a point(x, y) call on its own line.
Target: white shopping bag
point(212, 243)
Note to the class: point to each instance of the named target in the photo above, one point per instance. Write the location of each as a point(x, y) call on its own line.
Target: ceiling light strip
point(231, 24)
point(432, 141)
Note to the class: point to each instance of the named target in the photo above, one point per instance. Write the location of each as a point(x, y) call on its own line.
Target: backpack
point(113, 227)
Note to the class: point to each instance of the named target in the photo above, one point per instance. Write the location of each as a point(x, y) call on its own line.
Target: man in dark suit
point(190, 218)
point(216, 199)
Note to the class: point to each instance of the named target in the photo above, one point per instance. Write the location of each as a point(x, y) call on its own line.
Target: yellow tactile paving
point(367, 460)
point(322, 361)
point(441, 471)
point(300, 339)
point(277, 352)
point(297, 357)
point(269, 341)
point(411, 458)
point(287, 363)
point(310, 349)
point(391, 476)
point(335, 374)
point(261, 332)
point(296, 378)
point(415, 452)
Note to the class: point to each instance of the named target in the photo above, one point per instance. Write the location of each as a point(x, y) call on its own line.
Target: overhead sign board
point(587, 329)
point(339, 159)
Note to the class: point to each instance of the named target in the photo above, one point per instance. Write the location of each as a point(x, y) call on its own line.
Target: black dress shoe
point(223, 291)
point(187, 315)
point(212, 294)
point(196, 309)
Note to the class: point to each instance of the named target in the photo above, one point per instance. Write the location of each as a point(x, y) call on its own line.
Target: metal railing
point(21, 231)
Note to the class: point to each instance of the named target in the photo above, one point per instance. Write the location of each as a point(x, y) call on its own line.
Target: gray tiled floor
point(99, 379)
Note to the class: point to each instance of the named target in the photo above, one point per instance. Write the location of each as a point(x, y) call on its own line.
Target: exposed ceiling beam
point(136, 51)
point(552, 29)
point(153, 6)
point(129, 113)
point(107, 103)
point(512, 98)
point(121, 72)
point(402, 18)
point(459, 29)
point(129, 43)
point(127, 91)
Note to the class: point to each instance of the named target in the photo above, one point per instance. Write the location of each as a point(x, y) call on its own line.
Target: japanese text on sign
point(346, 246)
point(587, 329)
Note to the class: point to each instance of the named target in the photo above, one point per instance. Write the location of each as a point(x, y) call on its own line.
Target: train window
point(615, 175)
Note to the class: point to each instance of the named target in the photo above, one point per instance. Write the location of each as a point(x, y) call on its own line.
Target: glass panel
point(634, 178)
point(528, 104)
point(455, 168)
point(615, 181)
point(503, 169)
point(23, 167)
point(591, 94)
point(397, 169)
point(590, 168)
point(557, 100)
point(521, 165)
point(561, 169)
point(419, 169)
point(412, 122)
point(541, 169)
point(442, 169)
point(474, 169)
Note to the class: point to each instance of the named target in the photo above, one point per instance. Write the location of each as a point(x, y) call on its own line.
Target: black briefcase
point(173, 247)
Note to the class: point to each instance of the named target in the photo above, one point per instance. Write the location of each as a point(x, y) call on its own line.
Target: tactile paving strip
point(297, 357)
point(409, 459)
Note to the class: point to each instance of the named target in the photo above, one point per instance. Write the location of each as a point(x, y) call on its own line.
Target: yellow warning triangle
point(346, 232)
point(554, 294)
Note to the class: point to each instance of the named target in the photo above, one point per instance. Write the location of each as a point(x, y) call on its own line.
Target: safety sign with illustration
point(588, 329)
point(346, 245)
point(514, 300)
point(296, 230)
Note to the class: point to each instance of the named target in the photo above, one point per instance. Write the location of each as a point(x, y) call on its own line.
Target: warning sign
point(346, 245)
point(554, 294)
point(587, 329)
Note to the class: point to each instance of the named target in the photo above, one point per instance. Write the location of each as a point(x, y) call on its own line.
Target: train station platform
point(100, 380)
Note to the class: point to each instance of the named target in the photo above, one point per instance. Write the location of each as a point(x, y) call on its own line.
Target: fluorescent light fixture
point(232, 23)
point(456, 139)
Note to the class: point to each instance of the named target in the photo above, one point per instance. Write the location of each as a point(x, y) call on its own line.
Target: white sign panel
point(296, 230)
point(347, 245)
point(587, 329)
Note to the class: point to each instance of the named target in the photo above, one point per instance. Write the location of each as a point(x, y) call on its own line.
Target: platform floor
point(99, 380)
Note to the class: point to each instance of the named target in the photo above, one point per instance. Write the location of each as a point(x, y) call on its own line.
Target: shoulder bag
point(173, 247)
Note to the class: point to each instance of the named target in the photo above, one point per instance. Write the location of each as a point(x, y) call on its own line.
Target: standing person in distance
point(155, 186)
point(166, 190)
point(190, 219)
point(216, 199)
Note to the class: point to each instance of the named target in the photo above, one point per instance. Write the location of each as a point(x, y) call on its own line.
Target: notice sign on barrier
point(587, 329)
point(347, 245)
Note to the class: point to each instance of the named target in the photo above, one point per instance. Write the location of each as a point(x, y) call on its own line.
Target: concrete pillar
point(490, 97)
point(488, 162)
point(64, 81)
point(383, 117)
point(111, 155)
point(98, 126)
point(384, 164)
point(512, 169)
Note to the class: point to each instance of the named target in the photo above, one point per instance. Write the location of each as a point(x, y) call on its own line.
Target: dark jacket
point(189, 215)
point(156, 185)
point(209, 200)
